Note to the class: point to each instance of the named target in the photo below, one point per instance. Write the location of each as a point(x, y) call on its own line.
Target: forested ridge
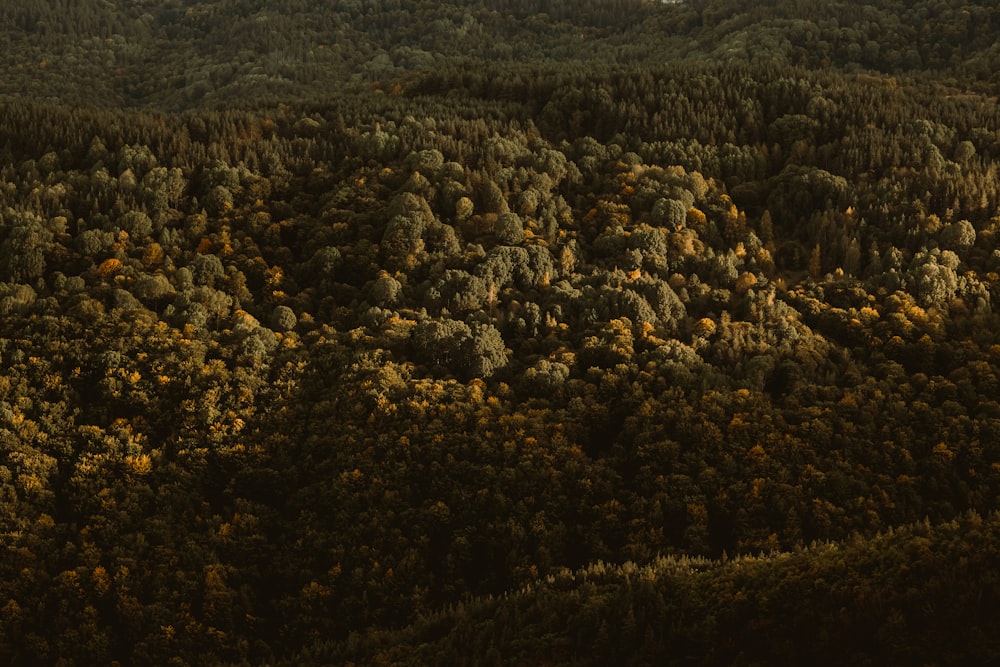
point(507, 332)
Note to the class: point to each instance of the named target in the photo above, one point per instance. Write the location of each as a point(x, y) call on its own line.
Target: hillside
point(513, 332)
point(917, 595)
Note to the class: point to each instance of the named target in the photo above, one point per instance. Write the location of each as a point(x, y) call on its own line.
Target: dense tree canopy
point(499, 331)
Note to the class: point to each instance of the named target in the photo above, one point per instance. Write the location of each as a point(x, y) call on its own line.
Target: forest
point(501, 332)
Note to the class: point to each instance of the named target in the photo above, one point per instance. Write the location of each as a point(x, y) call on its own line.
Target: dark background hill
point(181, 54)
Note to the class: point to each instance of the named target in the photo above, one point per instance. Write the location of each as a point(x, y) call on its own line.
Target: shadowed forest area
point(499, 332)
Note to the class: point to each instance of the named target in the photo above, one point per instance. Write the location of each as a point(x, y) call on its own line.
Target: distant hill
point(185, 54)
